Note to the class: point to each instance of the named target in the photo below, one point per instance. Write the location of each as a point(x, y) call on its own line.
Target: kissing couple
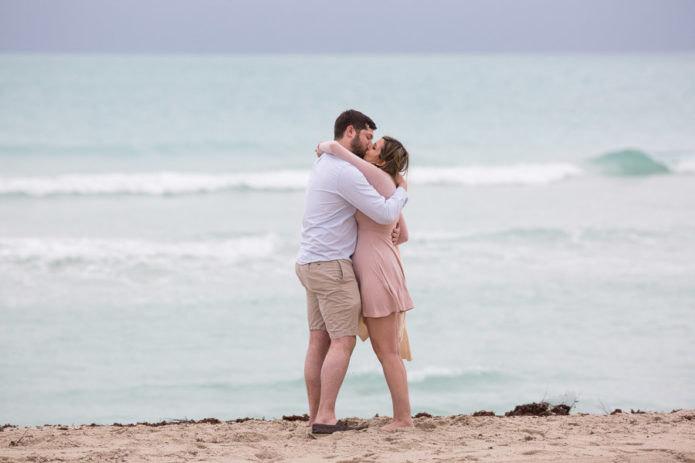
point(350, 266)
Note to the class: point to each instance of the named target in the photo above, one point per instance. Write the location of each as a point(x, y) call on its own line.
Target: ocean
point(150, 215)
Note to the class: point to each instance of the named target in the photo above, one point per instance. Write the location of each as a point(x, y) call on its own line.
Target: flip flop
point(331, 428)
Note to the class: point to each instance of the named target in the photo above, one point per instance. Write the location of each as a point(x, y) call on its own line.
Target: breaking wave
point(179, 183)
point(519, 174)
point(433, 374)
point(151, 184)
point(56, 251)
point(627, 163)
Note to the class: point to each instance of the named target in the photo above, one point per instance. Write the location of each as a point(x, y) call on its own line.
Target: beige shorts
point(332, 297)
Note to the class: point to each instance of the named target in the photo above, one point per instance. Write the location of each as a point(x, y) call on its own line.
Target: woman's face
point(373, 152)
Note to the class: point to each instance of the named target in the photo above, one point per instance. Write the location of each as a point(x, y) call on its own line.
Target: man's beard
point(356, 147)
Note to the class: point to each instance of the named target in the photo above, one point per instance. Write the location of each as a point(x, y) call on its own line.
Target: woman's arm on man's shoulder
point(379, 179)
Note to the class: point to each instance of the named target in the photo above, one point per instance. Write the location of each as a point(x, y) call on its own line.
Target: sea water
point(150, 215)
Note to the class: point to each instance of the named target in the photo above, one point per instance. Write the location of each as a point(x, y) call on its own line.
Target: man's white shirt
point(335, 191)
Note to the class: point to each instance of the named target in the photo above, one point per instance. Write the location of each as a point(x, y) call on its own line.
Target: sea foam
point(628, 163)
point(178, 183)
point(685, 167)
point(516, 174)
point(75, 250)
point(154, 183)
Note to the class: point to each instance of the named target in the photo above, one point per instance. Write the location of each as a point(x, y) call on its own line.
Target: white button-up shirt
point(335, 191)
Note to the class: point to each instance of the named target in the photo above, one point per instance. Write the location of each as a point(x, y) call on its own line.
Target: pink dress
point(376, 260)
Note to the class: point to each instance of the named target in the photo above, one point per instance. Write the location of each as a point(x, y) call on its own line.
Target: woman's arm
point(380, 180)
point(403, 237)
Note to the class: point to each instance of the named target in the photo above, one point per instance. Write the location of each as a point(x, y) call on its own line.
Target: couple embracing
point(350, 266)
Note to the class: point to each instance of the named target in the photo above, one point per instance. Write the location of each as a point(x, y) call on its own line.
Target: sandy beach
point(620, 437)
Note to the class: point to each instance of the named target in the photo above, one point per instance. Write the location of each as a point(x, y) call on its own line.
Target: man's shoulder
point(344, 168)
point(338, 166)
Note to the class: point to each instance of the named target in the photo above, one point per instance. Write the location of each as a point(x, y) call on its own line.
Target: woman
point(379, 270)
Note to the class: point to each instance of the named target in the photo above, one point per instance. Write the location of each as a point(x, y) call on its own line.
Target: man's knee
point(345, 343)
point(319, 341)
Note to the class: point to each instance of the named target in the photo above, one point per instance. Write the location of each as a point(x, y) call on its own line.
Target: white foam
point(421, 375)
point(174, 183)
point(156, 183)
point(518, 174)
point(685, 167)
point(52, 250)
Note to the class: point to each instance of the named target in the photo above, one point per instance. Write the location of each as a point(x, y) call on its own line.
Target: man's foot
point(318, 428)
point(398, 425)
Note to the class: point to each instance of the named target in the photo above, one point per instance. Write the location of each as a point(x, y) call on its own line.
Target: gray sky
point(279, 26)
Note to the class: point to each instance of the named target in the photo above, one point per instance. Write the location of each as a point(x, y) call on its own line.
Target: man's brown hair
point(354, 118)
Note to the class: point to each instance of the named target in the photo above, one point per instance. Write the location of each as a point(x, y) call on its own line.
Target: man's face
point(362, 142)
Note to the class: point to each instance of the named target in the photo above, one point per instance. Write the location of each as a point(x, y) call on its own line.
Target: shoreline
point(640, 436)
point(542, 409)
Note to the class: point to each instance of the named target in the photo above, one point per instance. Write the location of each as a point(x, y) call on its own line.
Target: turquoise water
point(150, 211)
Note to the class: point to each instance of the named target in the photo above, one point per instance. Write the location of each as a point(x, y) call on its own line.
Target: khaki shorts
point(332, 297)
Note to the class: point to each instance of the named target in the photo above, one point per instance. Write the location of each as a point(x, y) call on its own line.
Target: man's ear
point(350, 132)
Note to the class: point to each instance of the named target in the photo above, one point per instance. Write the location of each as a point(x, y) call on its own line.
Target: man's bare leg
point(333, 372)
point(383, 333)
point(319, 342)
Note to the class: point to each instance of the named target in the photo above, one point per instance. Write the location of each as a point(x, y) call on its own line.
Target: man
point(329, 235)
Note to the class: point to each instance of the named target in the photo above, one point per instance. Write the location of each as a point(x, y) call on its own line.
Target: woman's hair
point(395, 156)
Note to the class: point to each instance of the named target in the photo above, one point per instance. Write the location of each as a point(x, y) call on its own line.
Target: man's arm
point(353, 186)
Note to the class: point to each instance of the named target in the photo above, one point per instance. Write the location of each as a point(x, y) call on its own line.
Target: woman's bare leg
point(383, 333)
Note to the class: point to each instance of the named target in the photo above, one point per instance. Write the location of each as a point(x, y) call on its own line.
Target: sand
point(625, 437)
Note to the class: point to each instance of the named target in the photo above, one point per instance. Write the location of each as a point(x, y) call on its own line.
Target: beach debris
point(240, 420)
point(689, 417)
point(167, 423)
point(16, 443)
point(483, 413)
point(2, 428)
point(210, 421)
point(423, 415)
point(637, 411)
point(561, 409)
point(616, 411)
point(303, 417)
point(540, 409)
point(532, 409)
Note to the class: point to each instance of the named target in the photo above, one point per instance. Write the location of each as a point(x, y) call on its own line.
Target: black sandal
point(331, 428)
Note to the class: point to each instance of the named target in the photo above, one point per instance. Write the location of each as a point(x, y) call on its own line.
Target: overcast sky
point(280, 26)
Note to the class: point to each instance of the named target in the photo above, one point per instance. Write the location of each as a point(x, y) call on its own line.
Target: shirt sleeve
point(355, 189)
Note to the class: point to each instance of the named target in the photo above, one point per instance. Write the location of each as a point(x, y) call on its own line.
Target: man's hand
point(400, 181)
point(396, 233)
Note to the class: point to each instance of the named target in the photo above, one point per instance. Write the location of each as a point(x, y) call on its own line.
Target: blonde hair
point(395, 157)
